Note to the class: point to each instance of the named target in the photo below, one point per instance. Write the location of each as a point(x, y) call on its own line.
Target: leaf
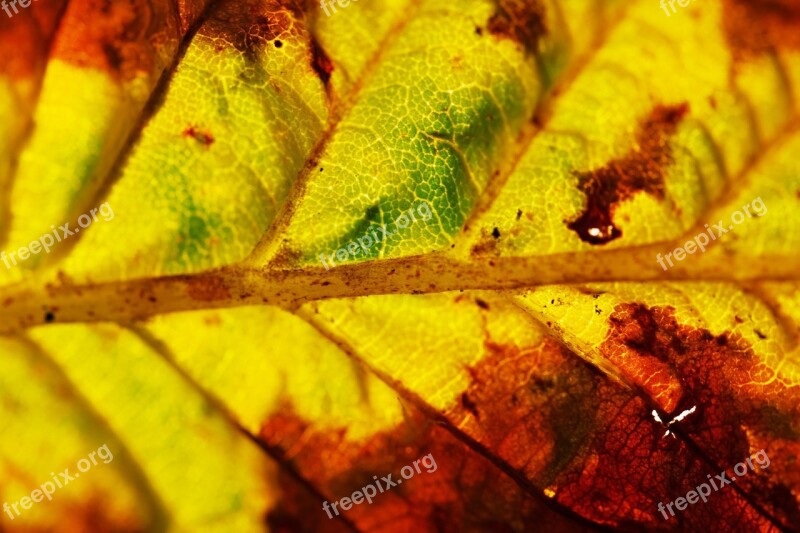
point(99, 77)
point(330, 244)
point(337, 424)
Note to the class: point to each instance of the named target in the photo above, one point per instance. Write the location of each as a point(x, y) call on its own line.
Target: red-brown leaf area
point(466, 492)
point(190, 11)
point(298, 509)
point(519, 20)
point(573, 434)
point(641, 171)
point(123, 38)
point(740, 407)
point(250, 25)
point(25, 39)
point(591, 442)
point(757, 27)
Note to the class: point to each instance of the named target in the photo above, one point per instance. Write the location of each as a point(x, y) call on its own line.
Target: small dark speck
point(278, 44)
point(519, 214)
point(321, 169)
point(469, 405)
point(542, 383)
point(760, 335)
point(496, 233)
point(203, 137)
point(49, 317)
point(552, 301)
point(481, 304)
point(478, 30)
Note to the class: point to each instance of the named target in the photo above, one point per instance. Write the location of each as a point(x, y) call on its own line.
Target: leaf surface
point(338, 240)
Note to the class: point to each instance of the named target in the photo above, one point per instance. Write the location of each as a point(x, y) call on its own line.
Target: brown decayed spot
point(320, 62)
point(740, 406)
point(512, 390)
point(201, 136)
point(125, 38)
point(464, 493)
point(486, 245)
point(250, 25)
point(469, 405)
point(519, 20)
point(207, 289)
point(641, 170)
point(590, 441)
point(755, 27)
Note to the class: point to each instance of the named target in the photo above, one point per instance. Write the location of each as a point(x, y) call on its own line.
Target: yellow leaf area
point(399, 265)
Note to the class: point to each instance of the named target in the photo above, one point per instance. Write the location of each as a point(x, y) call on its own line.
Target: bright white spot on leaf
point(678, 418)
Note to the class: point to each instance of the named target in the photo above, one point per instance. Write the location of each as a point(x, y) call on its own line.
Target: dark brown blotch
point(320, 62)
point(469, 405)
point(757, 27)
point(519, 20)
point(250, 25)
point(641, 170)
